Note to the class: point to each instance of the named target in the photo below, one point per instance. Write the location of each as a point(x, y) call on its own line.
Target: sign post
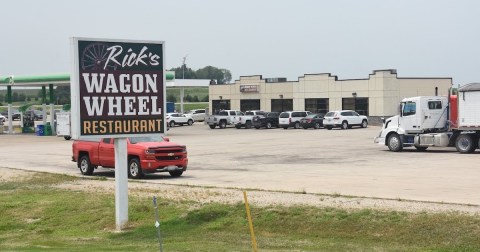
point(118, 91)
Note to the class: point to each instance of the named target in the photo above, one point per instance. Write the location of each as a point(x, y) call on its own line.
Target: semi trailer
point(435, 121)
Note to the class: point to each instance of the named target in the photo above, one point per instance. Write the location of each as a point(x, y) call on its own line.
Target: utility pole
point(183, 66)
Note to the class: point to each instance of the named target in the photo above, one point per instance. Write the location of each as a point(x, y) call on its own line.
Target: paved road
point(343, 162)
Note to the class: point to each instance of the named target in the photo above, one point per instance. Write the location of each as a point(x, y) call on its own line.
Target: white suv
point(178, 119)
point(344, 119)
point(291, 119)
point(197, 114)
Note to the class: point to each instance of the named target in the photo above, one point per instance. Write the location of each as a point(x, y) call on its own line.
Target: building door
point(358, 104)
point(281, 105)
point(218, 105)
point(250, 104)
point(317, 105)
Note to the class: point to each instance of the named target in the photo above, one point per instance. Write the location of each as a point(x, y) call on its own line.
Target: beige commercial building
point(376, 96)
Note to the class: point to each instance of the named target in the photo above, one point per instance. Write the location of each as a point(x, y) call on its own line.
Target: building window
point(280, 105)
point(358, 104)
point(249, 105)
point(317, 105)
point(218, 105)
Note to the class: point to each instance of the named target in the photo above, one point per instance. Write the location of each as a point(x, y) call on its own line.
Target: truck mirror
point(400, 110)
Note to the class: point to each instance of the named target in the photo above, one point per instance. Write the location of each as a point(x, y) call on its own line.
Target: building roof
point(470, 87)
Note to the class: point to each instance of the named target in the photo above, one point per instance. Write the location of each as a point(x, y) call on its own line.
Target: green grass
point(191, 105)
point(200, 92)
point(36, 216)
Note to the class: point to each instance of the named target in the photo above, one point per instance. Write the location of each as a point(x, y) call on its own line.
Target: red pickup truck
point(145, 155)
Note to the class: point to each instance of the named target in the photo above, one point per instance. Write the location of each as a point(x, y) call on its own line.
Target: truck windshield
point(134, 140)
point(409, 108)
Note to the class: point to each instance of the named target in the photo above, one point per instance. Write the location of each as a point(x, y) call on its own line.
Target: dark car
point(34, 114)
point(268, 121)
point(312, 121)
point(16, 116)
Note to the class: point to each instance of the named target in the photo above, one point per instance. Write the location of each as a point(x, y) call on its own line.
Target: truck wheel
point(190, 122)
point(172, 124)
point(212, 126)
point(176, 173)
point(465, 144)
point(316, 126)
point(86, 167)
point(248, 125)
point(269, 125)
point(364, 123)
point(395, 143)
point(67, 137)
point(222, 124)
point(345, 125)
point(134, 169)
point(297, 125)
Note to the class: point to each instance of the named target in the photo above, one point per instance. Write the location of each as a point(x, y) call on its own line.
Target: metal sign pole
point(121, 183)
point(157, 223)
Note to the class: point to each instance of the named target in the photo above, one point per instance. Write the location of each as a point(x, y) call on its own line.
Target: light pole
point(183, 66)
point(354, 94)
point(281, 99)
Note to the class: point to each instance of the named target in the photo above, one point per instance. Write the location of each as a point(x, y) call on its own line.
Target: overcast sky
point(273, 38)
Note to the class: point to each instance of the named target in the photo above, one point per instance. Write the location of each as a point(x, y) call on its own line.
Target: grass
point(200, 92)
point(191, 105)
point(37, 216)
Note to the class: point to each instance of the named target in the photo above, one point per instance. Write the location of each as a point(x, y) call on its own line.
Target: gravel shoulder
point(204, 195)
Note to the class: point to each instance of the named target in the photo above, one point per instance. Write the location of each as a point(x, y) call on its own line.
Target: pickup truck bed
point(145, 155)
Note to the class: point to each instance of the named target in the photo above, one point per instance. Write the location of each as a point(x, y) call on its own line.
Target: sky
point(348, 38)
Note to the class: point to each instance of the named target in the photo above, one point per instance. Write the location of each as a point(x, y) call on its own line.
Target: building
point(376, 96)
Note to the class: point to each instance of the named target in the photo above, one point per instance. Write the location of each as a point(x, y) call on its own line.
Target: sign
point(118, 88)
point(249, 88)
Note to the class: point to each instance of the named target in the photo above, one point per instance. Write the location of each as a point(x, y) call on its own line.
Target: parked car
point(246, 120)
point(197, 114)
point(268, 121)
point(2, 118)
point(34, 114)
point(312, 121)
point(291, 119)
point(223, 118)
point(145, 155)
point(344, 119)
point(178, 119)
point(16, 116)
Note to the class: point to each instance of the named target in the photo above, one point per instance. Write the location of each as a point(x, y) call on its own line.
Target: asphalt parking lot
point(345, 162)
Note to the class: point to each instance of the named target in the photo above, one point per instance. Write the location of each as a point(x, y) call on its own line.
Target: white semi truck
point(436, 121)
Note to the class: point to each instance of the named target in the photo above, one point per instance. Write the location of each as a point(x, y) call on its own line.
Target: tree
point(184, 72)
point(63, 94)
point(22, 97)
point(14, 97)
point(221, 76)
point(171, 98)
point(205, 99)
point(187, 98)
point(195, 99)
